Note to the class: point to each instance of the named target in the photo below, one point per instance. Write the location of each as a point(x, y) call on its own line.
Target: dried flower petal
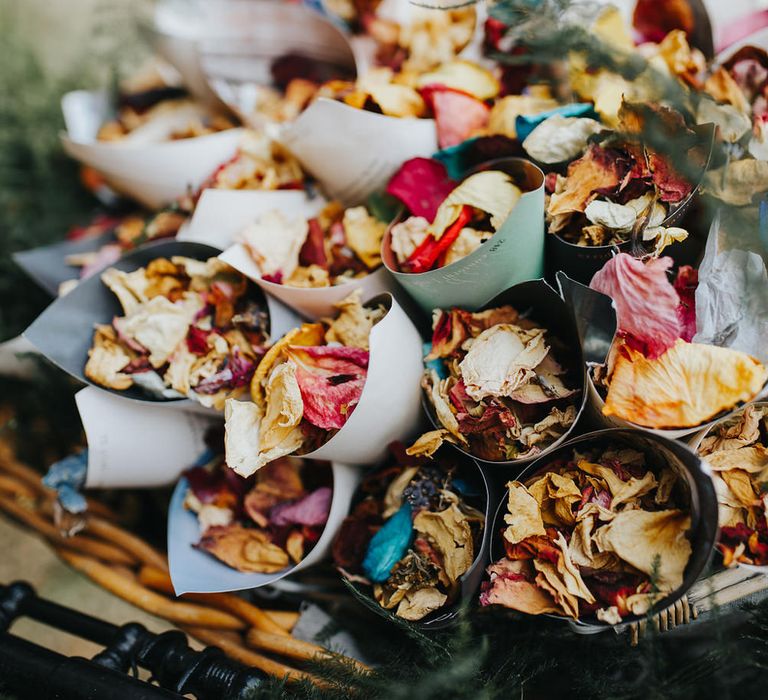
point(491, 191)
point(646, 302)
point(274, 242)
point(559, 139)
point(312, 510)
point(457, 114)
point(244, 549)
point(645, 539)
point(388, 545)
point(501, 359)
point(524, 516)
point(686, 386)
point(421, 184)
point(331, 380)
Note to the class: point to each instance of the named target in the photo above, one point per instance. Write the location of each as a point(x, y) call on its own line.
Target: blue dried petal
point(456, 158)
point(389, 545)
point(67, 477)
point(524, 125)
point(438, 364)
point(72, 500)
point(70, 470)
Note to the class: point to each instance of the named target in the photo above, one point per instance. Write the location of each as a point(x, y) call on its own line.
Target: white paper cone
point(137, 444)
point(353, 152)
point(181, 52)
point(313, 303)
point(220, 215)
point(170, 167)
point(193, 571)
point(64, 331)
point(390, 405)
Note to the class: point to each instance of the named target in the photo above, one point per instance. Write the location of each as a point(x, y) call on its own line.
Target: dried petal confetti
point(331, 380)
point(737, 449)
point(304, 389)
point(686, 386)
point(183, 332)
point(264, 523)
point(413, 533)
point(502, 393)
point(559, 139)
point(572, 553)
point(646, 301)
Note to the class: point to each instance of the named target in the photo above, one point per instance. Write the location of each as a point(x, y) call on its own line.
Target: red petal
point(421, 184)
point(457, 114)
point(685, 284)
point(313, 250)
point(331, 380)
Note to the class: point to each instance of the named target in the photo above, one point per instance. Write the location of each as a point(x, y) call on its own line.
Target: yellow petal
point(284, 407)
point(653, 542)
point(398, 100)
point(306, 334)
point(686, 386)
point(429, 443)
point(491, 191)
point(524, 515)
point(465, 76)
point(450, 534)
point(506, 110)
point(364, 233)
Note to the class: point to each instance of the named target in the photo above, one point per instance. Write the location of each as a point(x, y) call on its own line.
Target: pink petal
point(331, 380)
point(646, 302)
point(457, 114)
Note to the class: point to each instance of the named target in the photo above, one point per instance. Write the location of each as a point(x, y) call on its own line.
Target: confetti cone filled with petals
point(263, 524)
point(414, 532)
point(736, 450)
point(318, 377)
point(499, 383)
point(598, 535)
point(189, 329)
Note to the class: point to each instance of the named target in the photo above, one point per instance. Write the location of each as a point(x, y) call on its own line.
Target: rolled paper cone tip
point(170, 440)
point(353, 152)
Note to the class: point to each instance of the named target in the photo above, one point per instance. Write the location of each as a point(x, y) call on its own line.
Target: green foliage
point(40, 194)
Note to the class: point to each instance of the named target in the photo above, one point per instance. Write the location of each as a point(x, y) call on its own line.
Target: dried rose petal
point(421, 184)
point(312, 510)
point(646, 302)
point(458, 115)
point(331, 380)
point(237, 372)
point(197, 340)
point(313, 250)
